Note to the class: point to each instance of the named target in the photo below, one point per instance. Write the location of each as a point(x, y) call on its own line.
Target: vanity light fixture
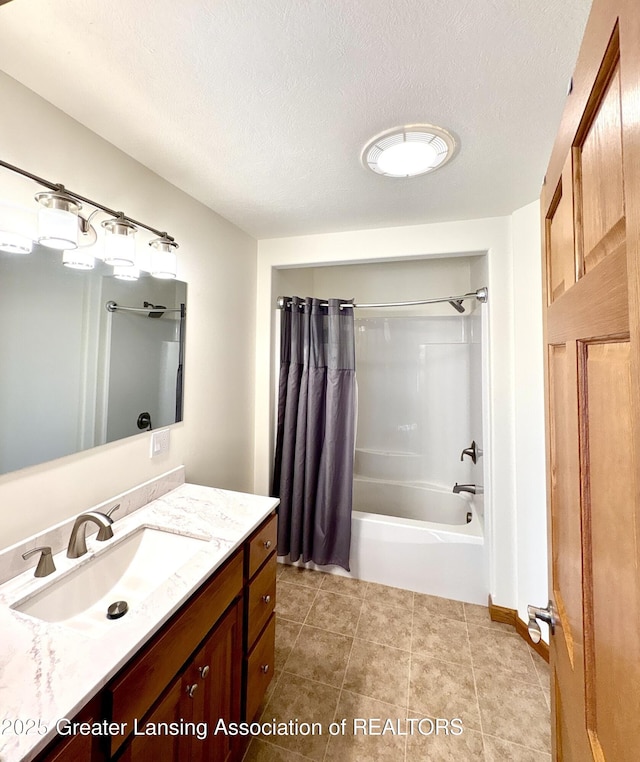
point(414, 149)
point(163, 259)
point(61, 226)
point(119, 242)
point(126, 273)
point(17, 229)
point(58, 219)
point(78, 259)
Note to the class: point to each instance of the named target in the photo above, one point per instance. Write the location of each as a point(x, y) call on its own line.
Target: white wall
point(217, 260)
point(529, 410)
point(492, 236)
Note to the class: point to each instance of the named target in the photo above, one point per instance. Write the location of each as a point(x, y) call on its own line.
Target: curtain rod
point(481, 295)
point(114, 307)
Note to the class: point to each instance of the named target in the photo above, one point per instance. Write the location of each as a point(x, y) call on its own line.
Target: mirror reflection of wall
point(143, 355)
point(73, 375)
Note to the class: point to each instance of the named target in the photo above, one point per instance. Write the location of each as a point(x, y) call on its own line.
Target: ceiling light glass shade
point(78, 259)
point(58, 220)
point(164, 263)
point(18, 229)
point(409, 151)
point(119, 243)
point(126, 273)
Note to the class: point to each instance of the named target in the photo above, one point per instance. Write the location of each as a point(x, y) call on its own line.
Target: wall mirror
point(74, 375)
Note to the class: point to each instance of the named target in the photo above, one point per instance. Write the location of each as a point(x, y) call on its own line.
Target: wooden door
point(591, 220)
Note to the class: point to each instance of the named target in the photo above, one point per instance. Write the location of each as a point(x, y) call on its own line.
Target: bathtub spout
point(474, 489)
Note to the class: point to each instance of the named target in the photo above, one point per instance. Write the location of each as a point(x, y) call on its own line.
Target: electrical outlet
point(159, 442)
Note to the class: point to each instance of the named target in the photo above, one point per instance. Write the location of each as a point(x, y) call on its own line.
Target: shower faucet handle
point(474, 452)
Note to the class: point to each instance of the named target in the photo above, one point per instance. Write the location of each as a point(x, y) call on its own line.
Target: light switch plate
point(159, 442)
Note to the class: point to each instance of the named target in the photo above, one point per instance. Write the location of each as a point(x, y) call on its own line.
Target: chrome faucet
point(78, 541)
point(473, 489)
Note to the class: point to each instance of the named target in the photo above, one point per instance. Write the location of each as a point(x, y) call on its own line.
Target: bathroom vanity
point(163, 681)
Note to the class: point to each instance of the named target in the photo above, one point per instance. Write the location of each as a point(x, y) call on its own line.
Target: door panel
point(591, 221)
point(602, 191)
point(611, 550)
point(565, 508)
point(559, 235)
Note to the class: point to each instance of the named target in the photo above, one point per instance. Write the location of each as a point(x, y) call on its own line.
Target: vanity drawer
point(140, 684)
point(262, 545)
point(260, 665)
point(261, 600)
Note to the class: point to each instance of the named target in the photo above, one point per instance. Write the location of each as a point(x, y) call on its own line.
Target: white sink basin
point(128, 570)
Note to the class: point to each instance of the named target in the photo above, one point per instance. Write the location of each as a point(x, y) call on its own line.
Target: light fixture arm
point(59, 188)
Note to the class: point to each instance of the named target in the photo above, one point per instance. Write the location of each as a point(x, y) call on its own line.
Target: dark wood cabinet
point(260, 602)
point(211, 662)
point(186, 716)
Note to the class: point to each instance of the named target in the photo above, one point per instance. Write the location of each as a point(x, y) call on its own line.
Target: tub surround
point(49, 670)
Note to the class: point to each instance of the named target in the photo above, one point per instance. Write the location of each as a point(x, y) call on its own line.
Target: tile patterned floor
point(352, 649)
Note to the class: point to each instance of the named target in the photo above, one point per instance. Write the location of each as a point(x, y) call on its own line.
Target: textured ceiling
point(260, 109)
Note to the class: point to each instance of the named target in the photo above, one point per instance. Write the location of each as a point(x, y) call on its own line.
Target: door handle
point(547, 615)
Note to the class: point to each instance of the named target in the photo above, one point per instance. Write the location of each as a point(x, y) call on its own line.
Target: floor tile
point(372, 745)
point(502, 652)
point(513, 710)
point(442, 747)
point(544, 673)
point(391, 596)
point(334, 583)
point(444, 690)
point(441, 638)
point(293, 602)
point(385, 624)
point(379, 672)
point(261, 751)
point(296, 697)
point(479, 616)
point(338, 613)
point(286, 634)
point(298, 575)
point(439, 606)
point(320, 655)
point(497, 750)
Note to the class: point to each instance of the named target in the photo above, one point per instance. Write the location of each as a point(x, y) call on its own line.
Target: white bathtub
point(430, 549)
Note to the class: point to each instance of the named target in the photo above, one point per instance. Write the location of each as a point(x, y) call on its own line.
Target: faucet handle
point(45, 562)
point(112, 510)
point(474, 452)
point(106, 533)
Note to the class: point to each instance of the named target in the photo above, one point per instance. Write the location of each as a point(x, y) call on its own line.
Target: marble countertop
point(49, 670)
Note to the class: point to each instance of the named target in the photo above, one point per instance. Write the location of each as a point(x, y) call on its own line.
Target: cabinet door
point(76, 748)
point(216, 673)
point(164, 747)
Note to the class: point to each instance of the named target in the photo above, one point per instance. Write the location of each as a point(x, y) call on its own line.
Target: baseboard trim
point(510, 616)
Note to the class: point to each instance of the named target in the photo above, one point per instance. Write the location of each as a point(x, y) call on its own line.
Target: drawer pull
point(264, 668)
point(191, 689)
point(267, 544)
point(266, 598)
point(204, 671)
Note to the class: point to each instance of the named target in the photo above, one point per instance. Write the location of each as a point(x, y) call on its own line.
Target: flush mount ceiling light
point(408, 151)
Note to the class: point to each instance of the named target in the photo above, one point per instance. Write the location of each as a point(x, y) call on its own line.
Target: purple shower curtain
point(313, 471)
